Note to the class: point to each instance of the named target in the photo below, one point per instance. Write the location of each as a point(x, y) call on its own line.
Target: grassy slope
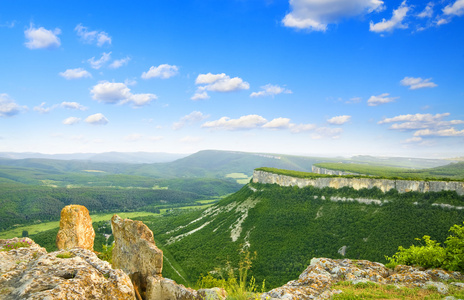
point(451, 171)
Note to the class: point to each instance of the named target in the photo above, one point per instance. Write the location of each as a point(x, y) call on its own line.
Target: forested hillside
point(286, 227)
point(26, 204)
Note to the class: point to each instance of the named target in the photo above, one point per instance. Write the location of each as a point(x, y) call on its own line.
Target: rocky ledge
point(32, 273)
point(317, 280)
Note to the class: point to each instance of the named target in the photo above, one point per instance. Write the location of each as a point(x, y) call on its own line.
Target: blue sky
point(311, 77)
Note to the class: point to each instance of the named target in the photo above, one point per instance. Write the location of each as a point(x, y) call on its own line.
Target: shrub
point(432, 255)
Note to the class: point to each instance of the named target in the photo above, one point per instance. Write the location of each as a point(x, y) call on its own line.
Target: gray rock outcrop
point(32, 273)
point(76, 229)
point(317, 280)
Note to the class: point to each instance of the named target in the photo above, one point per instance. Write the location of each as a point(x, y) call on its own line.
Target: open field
point(241, 178)
point(36, 228)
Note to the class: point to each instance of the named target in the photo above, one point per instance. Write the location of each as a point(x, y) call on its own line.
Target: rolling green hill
point(286, 227)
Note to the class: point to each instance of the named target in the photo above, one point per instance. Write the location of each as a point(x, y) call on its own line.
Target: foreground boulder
point(316, 281)
point(135, 252)
point(76, 229)
point(32, 273)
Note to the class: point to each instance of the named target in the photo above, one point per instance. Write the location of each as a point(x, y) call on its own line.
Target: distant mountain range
point(114, 157)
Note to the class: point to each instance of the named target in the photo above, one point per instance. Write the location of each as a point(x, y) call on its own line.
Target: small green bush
point(107, 253)
point(432, 255)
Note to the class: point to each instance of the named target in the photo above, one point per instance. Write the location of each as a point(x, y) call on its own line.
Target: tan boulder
point(135, 252)
point(76, 229)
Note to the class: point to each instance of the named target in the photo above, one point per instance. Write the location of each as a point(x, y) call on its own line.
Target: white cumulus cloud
point(395, 22)
point(270, 90)
point(380, 99)
point(163, 71)
point(75, 74)
point(119, 93)
point(339, 120)
point(425, 125)
point(8, 107)
point(217, 83)
point(457, 8)
point(427, 12)
point(278, 123)
point(41, 38)
point(440, 132)
point(71, 121)
point(242, 123)
point(116, 64)
point(249, 122)
point(73, 105)
point(417, 83)
point(98, 63)
point(316, 15)
point(97, 119)
point(98, 37)
point(200, 96)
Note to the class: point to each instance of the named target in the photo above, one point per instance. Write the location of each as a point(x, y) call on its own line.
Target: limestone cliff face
point(318, 170)
point(402, 186)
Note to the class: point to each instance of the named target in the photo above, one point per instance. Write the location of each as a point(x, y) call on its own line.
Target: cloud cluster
point(75, 74)
point(41, 38)
point(250, 122)
point(270, 90)
point(8, 107)
point(425, 125)
point(119, 93)
point(163, 71)
point(316, 15)
point(380, 99)
point(417, 83)
point(69, 105)
point(98, 37)
point(217, 83)
point(396, 20)
point(193, 117)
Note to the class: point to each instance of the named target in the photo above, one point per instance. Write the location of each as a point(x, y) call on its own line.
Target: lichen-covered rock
point(135, 252)
point(159, 288)
point(75, 228)
point(317, 280)
point(40, 275)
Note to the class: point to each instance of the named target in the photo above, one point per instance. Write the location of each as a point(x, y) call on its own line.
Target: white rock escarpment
point(402, 186)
